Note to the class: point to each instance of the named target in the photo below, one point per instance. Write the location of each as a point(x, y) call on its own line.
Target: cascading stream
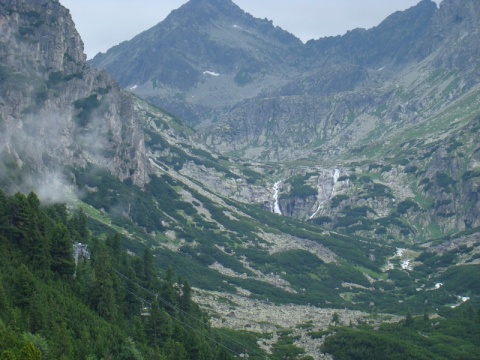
point(276, 205)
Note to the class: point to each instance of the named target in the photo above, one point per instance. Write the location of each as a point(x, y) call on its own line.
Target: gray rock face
point(395, 75)
point(55, 110)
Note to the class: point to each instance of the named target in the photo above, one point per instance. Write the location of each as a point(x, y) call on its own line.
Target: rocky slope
point(400, 73)
point(56, 111)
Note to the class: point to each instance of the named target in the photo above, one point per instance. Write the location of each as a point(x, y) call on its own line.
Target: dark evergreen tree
point(78, 227)
point(63, 349)
point(3, 213)
point(149, 271)
point(409, 319)
point(114, 244)
point(58, 213)
point(61, 250)
point(167, 291)
point(426, 318)
point(3, 297)
point(159, 325)
point(38, 317)
point(186, 295)
point(24, 286)
point(38, 247)
point(335, 319)
point(18, 210)
point(132, 304)
point(138, 330)
point(129, 351)
point(175, 350)
point(103, 295)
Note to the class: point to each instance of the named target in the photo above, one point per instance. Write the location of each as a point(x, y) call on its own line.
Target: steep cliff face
point(55, 110)
point(292, 127)
point(421, 185)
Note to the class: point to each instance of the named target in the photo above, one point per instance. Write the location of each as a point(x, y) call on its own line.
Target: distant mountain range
point(256, 91)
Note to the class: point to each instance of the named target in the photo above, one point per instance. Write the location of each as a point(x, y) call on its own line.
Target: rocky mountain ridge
point(56, 111)
point(194, 56)
point(327, 92)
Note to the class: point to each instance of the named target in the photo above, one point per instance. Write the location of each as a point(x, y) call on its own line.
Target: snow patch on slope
point(211, 73)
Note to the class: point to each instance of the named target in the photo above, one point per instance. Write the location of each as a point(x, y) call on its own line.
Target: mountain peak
point(201, 38)
point(207, 9)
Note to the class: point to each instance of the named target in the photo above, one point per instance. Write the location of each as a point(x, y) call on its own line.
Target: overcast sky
point(105, 23)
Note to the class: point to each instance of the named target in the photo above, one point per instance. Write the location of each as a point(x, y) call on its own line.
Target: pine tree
point(77, 226)
point(3, 213)
point(63, 346)
point(58, 213)
point(24, 287)
point(19, 220)
point(103, 295)
point(149, 271)
point(175, 350)
point(131, 303)
point(409, 319)
point(335, 319)
point(29, 352)
point(426, 318)
point(115, 244)
point(129, 351)
point(37, 312)
point(186, 295)
point(138, 330)
point(167, 291)
point(3, 299)
point(61, 250)
point(38, 252)
point(159, 326)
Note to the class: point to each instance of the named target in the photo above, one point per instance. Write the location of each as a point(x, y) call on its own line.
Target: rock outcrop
point(56, 111)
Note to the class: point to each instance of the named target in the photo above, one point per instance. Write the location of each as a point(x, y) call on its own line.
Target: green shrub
point(303, 191)
point(463, 279)
point(404, 206)
point(444, 181)
point(86, 106)
point(336, 200)
point(411, 169)
point(470, 175)
point(322, 220)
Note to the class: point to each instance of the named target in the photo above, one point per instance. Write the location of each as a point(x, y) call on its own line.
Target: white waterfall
point(276, 205)
point(335, 177)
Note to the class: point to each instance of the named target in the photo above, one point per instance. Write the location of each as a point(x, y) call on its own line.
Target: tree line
point(110, 305)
